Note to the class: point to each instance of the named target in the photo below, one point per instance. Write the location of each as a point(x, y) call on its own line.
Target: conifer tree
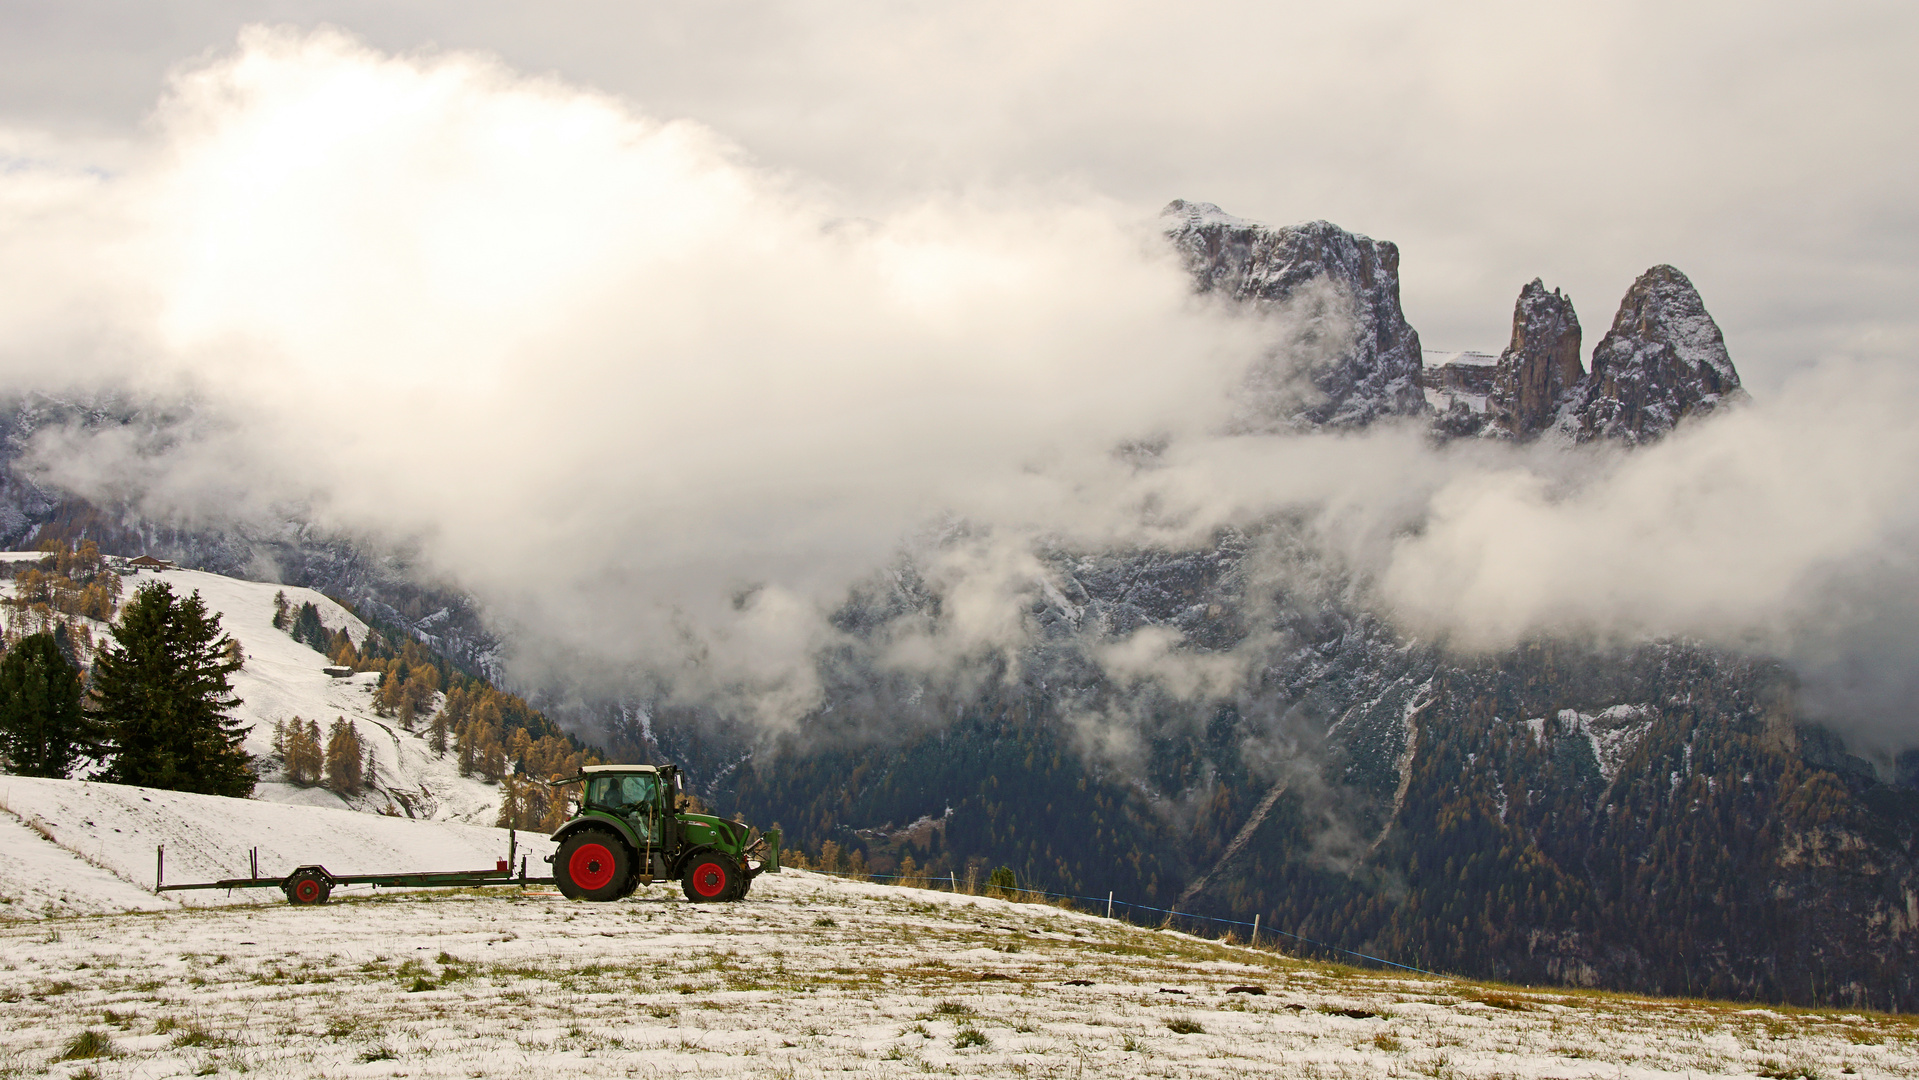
point(162, 692)
point(345, 757)
point(305, 760)
point(511, 810)
point(519, 748)
point(307, 628)
point(43, 731)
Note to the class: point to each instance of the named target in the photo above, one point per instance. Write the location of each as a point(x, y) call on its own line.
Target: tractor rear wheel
point(712, 877)
point(593, 865)
point(307, 888)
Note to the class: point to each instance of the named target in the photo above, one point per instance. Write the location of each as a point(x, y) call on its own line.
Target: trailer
point(313, 883)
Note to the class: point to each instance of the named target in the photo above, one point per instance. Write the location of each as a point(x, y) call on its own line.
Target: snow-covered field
point(814, 976)
point(105, 835)
point(808, 976)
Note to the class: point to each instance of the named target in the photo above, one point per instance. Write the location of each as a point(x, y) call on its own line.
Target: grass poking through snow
point(812, 976)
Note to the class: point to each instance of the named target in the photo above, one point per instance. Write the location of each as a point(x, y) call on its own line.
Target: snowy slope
point(39, 878)
point(283, 679)
point(807, 975)
point(98, 854)
point(811, 976)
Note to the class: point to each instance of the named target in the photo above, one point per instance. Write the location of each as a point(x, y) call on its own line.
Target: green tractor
point(630, 831)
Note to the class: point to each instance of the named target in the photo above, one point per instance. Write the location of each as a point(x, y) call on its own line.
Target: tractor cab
point(644, 796)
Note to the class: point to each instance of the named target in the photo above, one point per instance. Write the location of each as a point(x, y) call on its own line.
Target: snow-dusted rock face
point(1349, 357)
point(1540, 367)
point(1459, 388)
point(1465, 372)
point(1663, 360)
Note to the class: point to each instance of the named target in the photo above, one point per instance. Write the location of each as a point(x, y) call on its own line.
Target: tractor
point(630, 831)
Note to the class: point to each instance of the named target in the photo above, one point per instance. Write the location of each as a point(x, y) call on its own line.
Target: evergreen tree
point(162, 693)
point(43, 731)
point(308, 629)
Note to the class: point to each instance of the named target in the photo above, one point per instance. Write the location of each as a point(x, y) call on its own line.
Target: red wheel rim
point(591, 866)
point(306, 890)
point(709, 879)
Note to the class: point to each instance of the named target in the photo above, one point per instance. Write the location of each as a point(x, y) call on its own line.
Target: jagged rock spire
point(1663, 360)
point(1359, 358)
point(1541, 367)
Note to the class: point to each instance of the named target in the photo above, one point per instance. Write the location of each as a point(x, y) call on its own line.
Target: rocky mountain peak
point(1663, 360)
point(1347, 356)
point(1541, 365)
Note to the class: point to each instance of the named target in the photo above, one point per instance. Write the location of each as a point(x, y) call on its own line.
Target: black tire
point(307, 888)
point(632, 886)
point(711, 877)
point(593, 865)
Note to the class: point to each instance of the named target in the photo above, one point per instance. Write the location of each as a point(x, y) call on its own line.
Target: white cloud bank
point(651, 401)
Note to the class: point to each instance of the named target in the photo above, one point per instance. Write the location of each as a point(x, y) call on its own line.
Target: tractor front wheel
point(593, 865)
point(712, 877)
point(307, 888)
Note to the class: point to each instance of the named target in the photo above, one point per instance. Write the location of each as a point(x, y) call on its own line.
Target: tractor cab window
point(633, 793)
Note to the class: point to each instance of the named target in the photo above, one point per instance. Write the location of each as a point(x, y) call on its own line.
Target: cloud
point(1720, 531)
point(1762, 146)
point(606, 371)
point(660, 406)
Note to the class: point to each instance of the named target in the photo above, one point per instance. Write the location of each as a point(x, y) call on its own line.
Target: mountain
point(1541, 367)
point(1338, 293)
point(283, 680)
point(1663, 361)
point(1658, 816)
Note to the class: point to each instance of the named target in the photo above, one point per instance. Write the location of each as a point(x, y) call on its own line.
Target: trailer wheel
point(593, 865)
point(307, 888)
point(712, 877)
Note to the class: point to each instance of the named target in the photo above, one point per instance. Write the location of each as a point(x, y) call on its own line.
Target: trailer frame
point(312, 884)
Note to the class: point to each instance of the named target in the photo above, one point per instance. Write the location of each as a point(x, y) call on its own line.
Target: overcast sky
point(1767, 149)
